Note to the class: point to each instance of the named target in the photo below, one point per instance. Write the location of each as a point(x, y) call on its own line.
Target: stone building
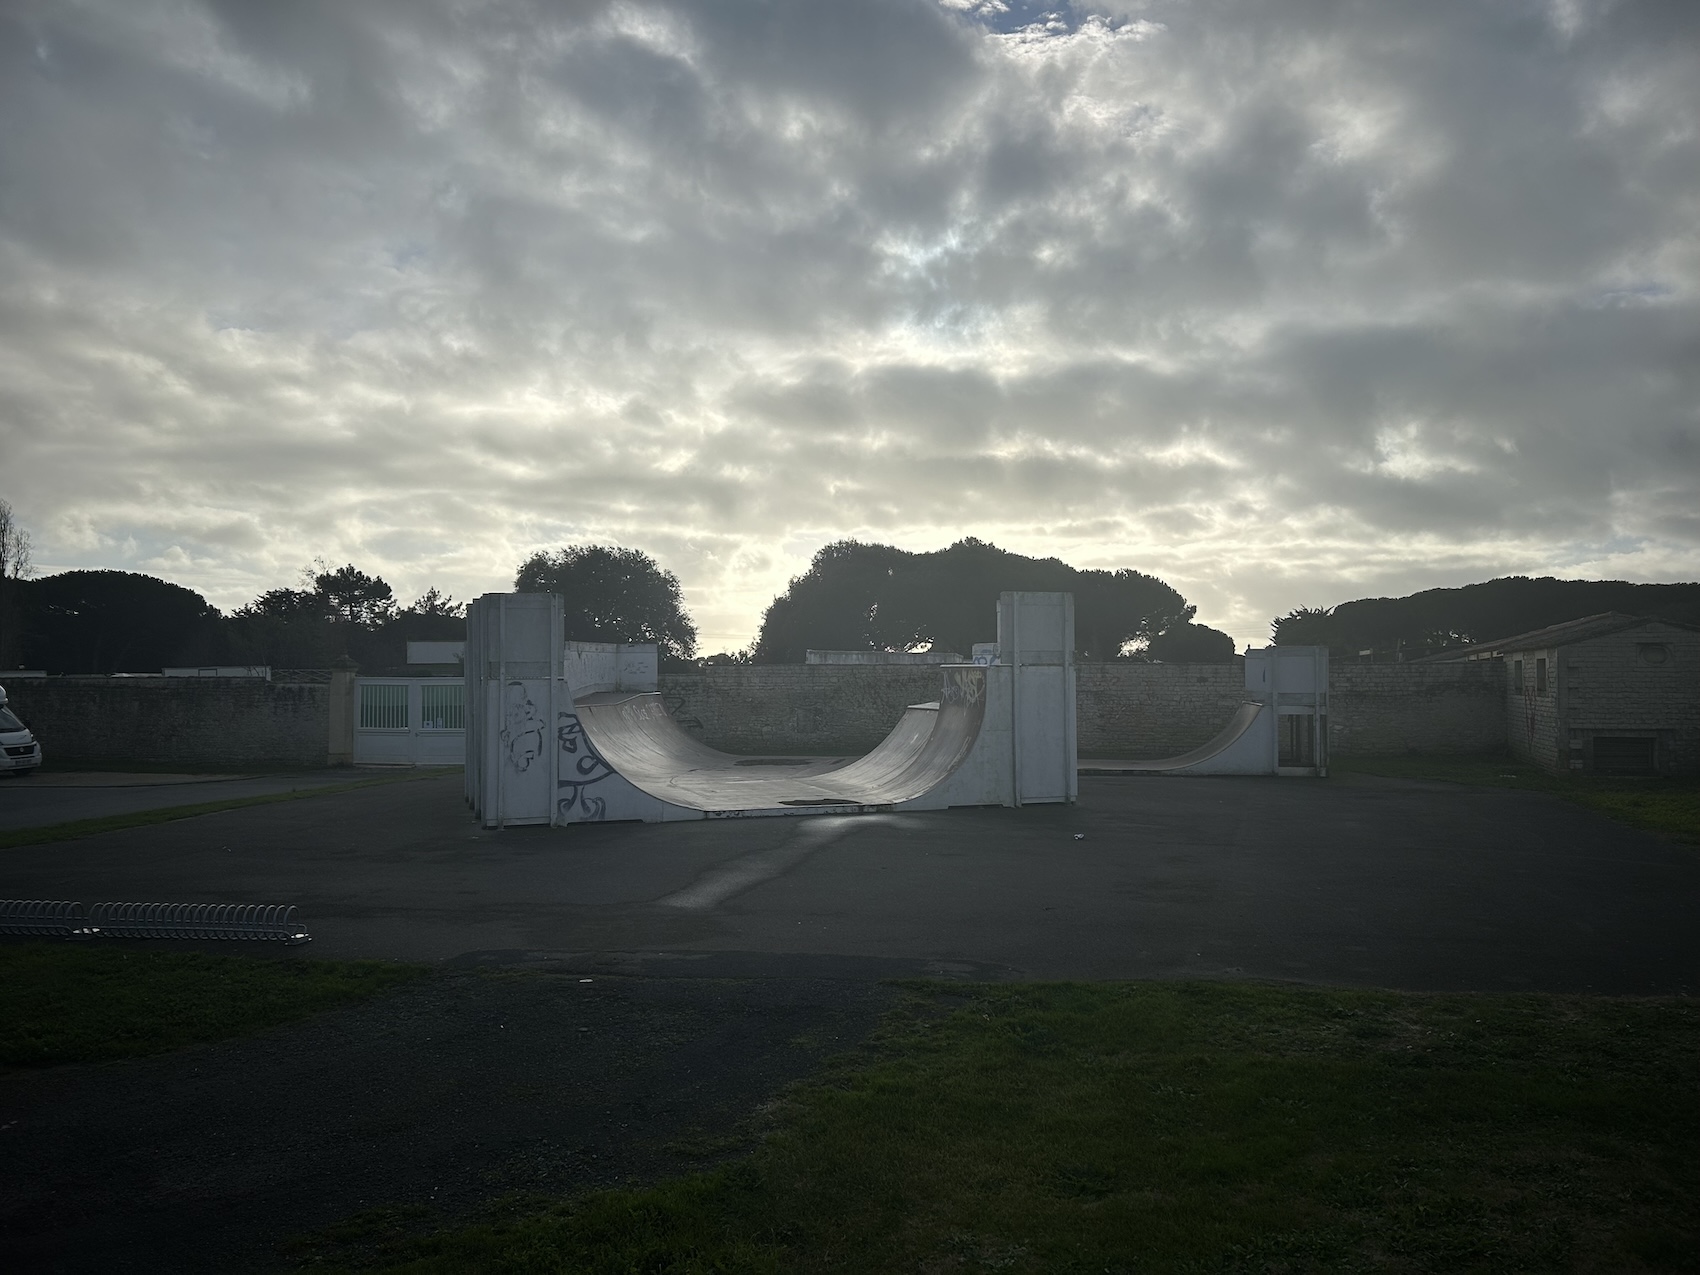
point(1608, 694)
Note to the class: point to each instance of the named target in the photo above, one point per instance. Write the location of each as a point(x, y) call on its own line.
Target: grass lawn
point(1176, 1127)
point(1667, 806)
point(65, 1002)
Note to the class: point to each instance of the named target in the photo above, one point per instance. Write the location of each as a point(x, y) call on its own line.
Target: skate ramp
point(1242, 747)
point(638, 740)
point(571, 732)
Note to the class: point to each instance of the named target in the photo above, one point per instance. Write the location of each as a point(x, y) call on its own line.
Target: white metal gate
point(410, 721)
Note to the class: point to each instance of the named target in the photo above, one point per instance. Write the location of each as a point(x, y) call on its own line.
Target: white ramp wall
point(513, 680)
point(1292, 683)
point(1036, 640)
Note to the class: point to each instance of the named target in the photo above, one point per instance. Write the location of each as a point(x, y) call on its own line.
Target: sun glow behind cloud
point(1283, 308)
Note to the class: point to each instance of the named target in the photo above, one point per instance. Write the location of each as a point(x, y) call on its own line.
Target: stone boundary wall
point(1377, 710)
point(189, 721)
point(1153, 710)
point(1125, 710)
point(796, 708)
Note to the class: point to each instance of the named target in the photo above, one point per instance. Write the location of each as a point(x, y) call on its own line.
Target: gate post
point(341, 749)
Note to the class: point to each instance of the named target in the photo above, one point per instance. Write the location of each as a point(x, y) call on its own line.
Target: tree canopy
point(1192, 644)
point(1438, 619)
point(125, 622)
point(858, 596)
point(613, 595)
point(115, 622)
point(352, 596)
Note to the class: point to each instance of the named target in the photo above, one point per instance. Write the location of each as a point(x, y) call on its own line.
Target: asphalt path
point(1349, 881)
point(40, 799)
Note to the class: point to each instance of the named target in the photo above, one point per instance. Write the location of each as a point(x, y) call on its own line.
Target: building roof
point(1554, 635)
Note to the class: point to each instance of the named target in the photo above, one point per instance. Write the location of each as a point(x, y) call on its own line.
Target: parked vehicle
point(20, 751)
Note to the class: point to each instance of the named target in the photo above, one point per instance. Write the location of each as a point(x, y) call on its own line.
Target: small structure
point(1608, 694)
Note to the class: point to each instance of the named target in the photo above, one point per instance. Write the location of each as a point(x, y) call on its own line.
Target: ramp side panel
point(588, 789)
point(984, 774)
point(1242, 747)
point(516, 728)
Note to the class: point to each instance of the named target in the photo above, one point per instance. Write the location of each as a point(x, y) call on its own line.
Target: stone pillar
point(341, 751)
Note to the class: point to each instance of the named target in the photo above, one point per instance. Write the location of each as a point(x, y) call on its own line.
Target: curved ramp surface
point(637, 738)
point(1242, 747)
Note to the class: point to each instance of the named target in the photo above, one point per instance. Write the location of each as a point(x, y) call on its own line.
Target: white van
point(20, 751)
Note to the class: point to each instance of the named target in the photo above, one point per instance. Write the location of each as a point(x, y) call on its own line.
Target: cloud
point(1286, 302)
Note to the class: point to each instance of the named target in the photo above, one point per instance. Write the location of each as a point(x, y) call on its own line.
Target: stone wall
point(1154, 710)
point(188, 721)
point(1125, 709)
point(796, 708)
point(1383, 709)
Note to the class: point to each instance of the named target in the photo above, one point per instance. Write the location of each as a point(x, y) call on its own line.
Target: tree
point(858, 596)
point(353, 597)
point(116, 622)
point(1304, 626)
point(346, 612)
point(613, 595)
point(1439, 619)
point(285, 628)
point(1191, 644)
point(431, 602)
point(15, 566)
point(287, 605)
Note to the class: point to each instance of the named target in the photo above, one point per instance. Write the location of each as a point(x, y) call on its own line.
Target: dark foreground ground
point(420, 1106)
point(727, 958)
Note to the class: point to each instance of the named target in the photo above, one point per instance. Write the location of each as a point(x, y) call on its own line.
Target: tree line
point(854, 596)
point(127, 622)
point(1439, 620)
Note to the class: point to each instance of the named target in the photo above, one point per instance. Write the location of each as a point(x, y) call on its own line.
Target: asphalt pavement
point(42, 798)
point(1350, 881)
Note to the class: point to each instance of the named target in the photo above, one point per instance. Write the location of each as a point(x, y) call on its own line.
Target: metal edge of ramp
point(1226, 753)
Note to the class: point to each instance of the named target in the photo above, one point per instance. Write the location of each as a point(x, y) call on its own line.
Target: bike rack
point(65, 919)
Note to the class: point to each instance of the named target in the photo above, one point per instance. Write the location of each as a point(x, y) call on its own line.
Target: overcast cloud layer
point(1287, 302)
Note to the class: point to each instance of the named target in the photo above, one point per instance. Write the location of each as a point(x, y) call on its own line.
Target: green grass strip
point(1670, 807)
point(78, 828)
point(66, 1002)
point(1184, 1128)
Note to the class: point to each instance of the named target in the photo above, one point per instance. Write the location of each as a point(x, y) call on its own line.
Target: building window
point(1517, 674)
point(1540, 677)
point(383, 706)
point(1653, 652)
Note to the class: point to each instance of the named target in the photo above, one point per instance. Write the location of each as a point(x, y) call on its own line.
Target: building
point(1608, 694)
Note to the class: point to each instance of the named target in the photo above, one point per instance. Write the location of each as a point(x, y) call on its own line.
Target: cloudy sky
point(1285, 301)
